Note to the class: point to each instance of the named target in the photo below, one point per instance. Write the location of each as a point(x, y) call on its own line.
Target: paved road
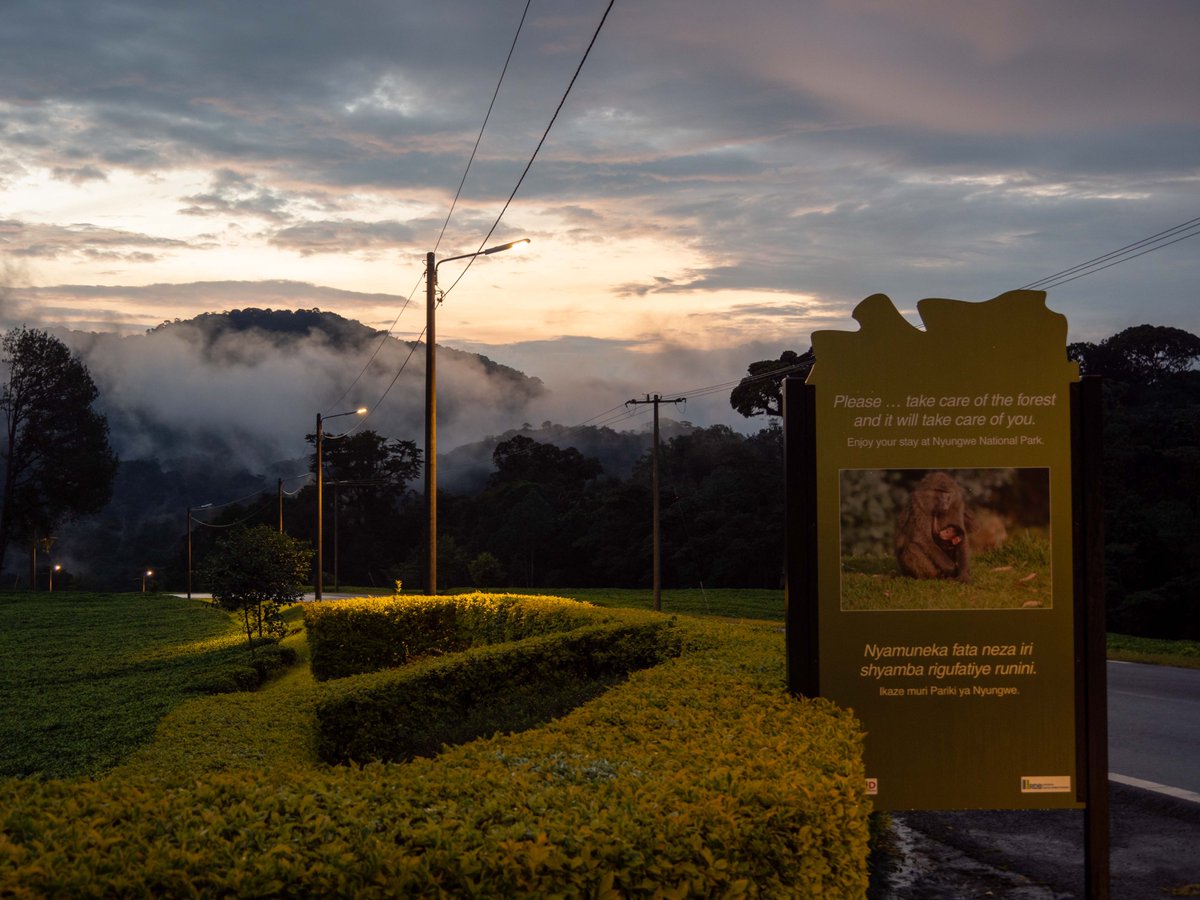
point(1154, 739)
point(1154, 724)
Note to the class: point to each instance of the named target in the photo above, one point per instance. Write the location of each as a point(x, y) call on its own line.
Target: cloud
point(83, 240)
point(343, 237)
point(780, 160)
point(234, 193)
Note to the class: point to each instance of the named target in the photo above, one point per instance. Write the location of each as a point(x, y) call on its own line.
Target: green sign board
point(944, 550)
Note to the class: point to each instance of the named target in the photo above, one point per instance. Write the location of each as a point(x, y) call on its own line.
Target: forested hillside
point(570, 507)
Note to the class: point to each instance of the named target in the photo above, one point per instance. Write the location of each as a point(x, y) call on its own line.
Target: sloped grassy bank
point(697, 776)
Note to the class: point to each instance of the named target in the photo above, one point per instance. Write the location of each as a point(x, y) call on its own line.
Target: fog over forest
point(247, 389)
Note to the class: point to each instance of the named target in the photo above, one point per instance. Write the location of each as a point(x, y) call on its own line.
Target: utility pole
point(190, 514)
point(431, 302)
point(431, 423)
point(655, 400)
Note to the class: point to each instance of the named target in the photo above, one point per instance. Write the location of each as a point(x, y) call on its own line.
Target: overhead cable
point(453, 204)
point(1158, 241)
point(536, 149)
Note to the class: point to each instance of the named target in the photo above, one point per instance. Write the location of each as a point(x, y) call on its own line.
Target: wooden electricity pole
point(655, 400)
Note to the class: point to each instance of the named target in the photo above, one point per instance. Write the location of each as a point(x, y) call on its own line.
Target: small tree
point(257, 571)
point(486, 571)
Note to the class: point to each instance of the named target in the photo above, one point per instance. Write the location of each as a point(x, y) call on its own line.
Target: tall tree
point(57, 462)
point(760, 391)
point(1142, 354)
point(366, 491)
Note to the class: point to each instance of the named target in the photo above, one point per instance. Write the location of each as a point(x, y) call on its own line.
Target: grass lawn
point(85, 678)
point(1013, 576)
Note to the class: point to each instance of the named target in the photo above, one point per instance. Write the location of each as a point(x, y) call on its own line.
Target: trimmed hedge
point(366, 634)
point(268, 660)
point(414, 711)
point(697, 777)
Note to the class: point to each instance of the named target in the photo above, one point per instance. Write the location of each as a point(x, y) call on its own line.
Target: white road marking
point(1178, 793)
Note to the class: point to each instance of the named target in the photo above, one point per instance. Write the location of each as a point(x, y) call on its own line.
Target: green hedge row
point(414, 711)
point(267, 661)
point(350, 637)
point(697, 777)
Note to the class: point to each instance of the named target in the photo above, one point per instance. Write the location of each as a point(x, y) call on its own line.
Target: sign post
point(934, 538)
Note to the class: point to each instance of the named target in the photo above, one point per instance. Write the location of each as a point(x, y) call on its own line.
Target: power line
point(453, 203)
point(478, 138)
point(1158, 241)
point(496, 223)
point(380, 345)
point(537, 149)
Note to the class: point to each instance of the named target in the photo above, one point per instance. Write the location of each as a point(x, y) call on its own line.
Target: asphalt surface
point(1154, 724)
point(1038, 854)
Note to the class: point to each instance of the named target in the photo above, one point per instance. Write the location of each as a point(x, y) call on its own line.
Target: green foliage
point(86, 677)
point(1143, 354)
point(873, 498)
point(1014, 576)
point(1154, 650)
point(56, 460)
point(697, 777)
point(415, 710)
point(256, 572)
point(486, 571)
point(761, 390)
point(735, 603)
point(522, 459)
point(1152, 506)
point(349, 637)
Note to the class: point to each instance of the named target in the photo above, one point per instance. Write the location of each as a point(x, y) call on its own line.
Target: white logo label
point(1045, 784)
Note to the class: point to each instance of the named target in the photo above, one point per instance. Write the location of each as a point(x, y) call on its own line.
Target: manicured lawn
point(85, 678)
point(1152, 650)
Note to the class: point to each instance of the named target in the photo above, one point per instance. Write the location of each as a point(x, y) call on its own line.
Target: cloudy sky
point(722, 179)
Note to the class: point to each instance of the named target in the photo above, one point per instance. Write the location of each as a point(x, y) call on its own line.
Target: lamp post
point(191, 509)
point(431, 264)
point(320, 493)
point(53, 569)
point(149, 573)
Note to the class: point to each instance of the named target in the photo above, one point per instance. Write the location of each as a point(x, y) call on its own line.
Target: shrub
point(486, 571)
point(697, 777)
point(349, 637)
point(504, 687)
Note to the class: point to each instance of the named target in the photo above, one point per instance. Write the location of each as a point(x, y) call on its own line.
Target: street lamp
point(191, 509)
point(53, 569)
point(361, 411)
point(431, 264)
point(149, 573)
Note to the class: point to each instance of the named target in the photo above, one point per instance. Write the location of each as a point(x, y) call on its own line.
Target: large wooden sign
point(942, 563)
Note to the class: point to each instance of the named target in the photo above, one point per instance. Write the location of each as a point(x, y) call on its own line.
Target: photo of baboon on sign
point(932, 529)
point(925, 539)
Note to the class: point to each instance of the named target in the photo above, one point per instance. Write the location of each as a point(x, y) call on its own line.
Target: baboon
point(931, 531)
